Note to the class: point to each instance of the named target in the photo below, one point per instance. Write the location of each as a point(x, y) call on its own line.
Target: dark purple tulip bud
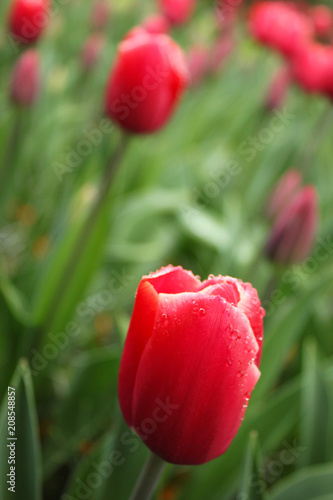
point(198, 63)
point(295, 229)
point(91, 51)
point(278, 90)
point(221, 51)
point(283, 193)
point(25, 84)
point(100, 14)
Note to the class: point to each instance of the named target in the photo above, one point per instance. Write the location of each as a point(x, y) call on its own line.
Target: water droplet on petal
point(202, 311)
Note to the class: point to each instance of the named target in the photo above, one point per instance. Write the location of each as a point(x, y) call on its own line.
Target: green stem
point(85, 231)
point(7, 167)
point(149, 478)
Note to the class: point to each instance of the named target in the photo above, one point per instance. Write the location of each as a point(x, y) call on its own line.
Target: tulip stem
point(88, 225)
point(149, 478)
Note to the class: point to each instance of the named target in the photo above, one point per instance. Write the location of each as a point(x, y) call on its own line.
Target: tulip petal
point(139, 332)
point(250, 305)
point(173, 280)
point(194, 334)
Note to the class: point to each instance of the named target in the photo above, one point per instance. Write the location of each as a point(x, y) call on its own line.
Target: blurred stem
point(325, 119)
point(270, 288)
point(148, 480)
point(84, 233)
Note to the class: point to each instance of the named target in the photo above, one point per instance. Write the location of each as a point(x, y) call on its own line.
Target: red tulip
point(312, 68)
point(190, 363)
point(28, 18)
point(177, 11)
point(295, 229)
point(279, 25)
point(91, 51)
point(323, 20)
point(278, 89)
point(100, 14)
point(284, 192)
point(156, 24)
point(147, 81)
point(25, 83)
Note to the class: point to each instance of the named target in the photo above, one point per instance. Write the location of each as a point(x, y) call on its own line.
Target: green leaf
point(252, 484)
point(128, 451)
point(86, 409)
point(308, 484)
point(15, 301)
point(315, 420)
point(28, 469)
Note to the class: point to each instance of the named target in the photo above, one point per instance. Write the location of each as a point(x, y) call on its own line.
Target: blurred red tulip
point(190, 363)
point(147, 80)
point(295, 229)
point(177, 11)
point(312, 68)
point(279, 25)
point(91, 51)
point(27, 19)
point(100, 14)
point(25, 84)
point(156, 24)
point(278, 89)
point(323, 20)
point(284, 192)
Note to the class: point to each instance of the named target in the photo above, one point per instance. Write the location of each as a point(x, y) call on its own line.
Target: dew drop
point(202, 311)
point(228, 362)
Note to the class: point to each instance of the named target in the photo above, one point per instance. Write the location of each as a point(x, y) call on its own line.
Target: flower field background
point(195, 194)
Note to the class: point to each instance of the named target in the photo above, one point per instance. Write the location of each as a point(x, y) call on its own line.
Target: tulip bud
point(28, 18)
point(25, 84)
point(146, 82)
point(177, 11)
point(279, 25)
point(100, 15)
point(211, 334)
point(156, 24)
point(323, 20)
point(278, 89)
point(198, 63)
point(91, 51)
point(284, 192)
point(295, 229)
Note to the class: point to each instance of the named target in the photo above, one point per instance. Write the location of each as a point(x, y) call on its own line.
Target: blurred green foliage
point(177, 198)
